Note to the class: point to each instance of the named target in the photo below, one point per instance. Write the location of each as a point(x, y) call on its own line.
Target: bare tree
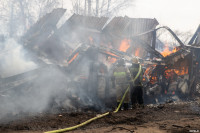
point(85, 9)
point(184, 36)
point(97, 8)
point(11, 21)
point(18, 15)
point(89, 6)
point(79, 7)
point(46, 6)
point(100, 7)
point(168, 39)
point(108, 8)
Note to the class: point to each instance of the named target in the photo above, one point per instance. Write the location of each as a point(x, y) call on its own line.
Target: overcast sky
point(180, 15)
point(177, 14)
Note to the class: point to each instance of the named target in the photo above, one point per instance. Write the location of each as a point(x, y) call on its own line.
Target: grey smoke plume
point(34, 94)
point(40, 89)
point(13, 60)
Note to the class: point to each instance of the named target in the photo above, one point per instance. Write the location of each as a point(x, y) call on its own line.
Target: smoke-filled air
point(98, 66)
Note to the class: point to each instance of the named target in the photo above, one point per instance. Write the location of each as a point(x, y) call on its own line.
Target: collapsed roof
point(54, 44)
point(125, 27)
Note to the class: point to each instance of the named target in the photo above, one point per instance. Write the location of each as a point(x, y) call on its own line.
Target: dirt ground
point(176, 117)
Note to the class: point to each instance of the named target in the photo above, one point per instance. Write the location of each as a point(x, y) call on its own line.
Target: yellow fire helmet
point(135, 60)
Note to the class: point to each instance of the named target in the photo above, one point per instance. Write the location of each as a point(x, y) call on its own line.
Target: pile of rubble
point(85, 49)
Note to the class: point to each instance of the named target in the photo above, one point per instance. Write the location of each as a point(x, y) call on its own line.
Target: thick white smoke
point(40, 88)
point(13, 59)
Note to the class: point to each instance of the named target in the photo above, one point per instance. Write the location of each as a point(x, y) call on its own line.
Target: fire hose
point(99, 116)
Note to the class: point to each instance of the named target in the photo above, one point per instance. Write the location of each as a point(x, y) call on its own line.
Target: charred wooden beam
point(194, 36)
point(147, 47)
point(153, 42)
point(174, 57)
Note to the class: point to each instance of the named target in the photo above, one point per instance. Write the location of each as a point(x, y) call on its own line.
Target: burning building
point(77, 59)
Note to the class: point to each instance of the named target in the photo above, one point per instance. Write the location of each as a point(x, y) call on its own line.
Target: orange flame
point(149, 69)
point(154, 79)
point(112, 60)
point(169, 73)
point(181, 71)
point(148, 73)
point(137, 52)
point(90, 39)
point(167, 52)
point(73, 58)
point(125, 44)
point(111, 54)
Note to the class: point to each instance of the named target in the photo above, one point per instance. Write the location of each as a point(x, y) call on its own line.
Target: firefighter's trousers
point(120, 90)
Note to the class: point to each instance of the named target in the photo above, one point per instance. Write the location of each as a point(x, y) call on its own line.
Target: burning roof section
point(125, 28)
point(57, 44)
point(84, 27)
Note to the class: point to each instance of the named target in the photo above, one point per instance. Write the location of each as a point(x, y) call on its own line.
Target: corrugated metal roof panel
point(85, 22)
point(130, 26)
point(46, 24)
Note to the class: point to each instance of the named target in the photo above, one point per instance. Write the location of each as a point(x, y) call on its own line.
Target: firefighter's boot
point(118, 105)
point(125, 106)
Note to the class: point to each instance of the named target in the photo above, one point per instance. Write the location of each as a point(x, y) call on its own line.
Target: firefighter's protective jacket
point(122, 75)
point(134, 70)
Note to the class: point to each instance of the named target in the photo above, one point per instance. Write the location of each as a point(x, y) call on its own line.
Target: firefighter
point(122, 77)
point(136, 87)
point(101, 90)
